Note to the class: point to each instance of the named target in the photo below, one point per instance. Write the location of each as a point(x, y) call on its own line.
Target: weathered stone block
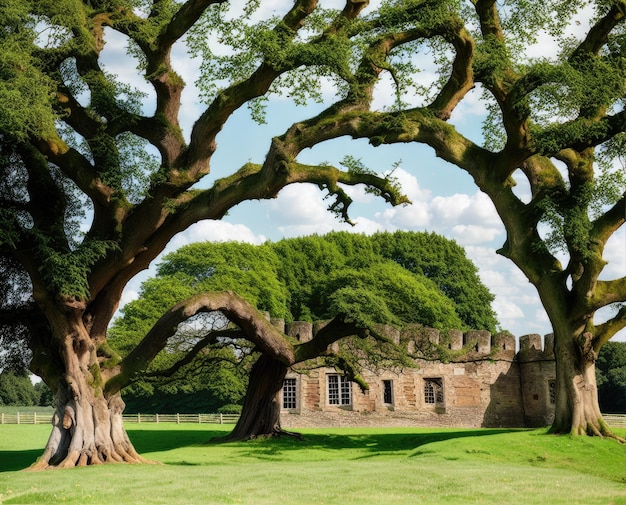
point(302, 330)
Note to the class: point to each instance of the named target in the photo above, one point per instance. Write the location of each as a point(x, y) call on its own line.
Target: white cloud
point(299, 204)
point(473, 234)
point(615, 255)
point(474, 209)
point(215, 231)
point(547, 47)
point(406, 217)
point(411, 187)
point(129, 295)
point(471, 105)
point(507, 311)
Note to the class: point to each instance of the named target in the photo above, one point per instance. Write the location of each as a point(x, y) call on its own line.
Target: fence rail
point(613, 420)
point(46, 418)
point(26, 418)
point(182, 418)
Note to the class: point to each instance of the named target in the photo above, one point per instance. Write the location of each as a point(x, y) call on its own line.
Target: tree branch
point(597, 36)
point(333, 331)
point(579, 134)
point(182, 21)
point(605, 331)
point(461, 79)
point(608, 292)
point(337, 328)
point(256, 327)
point(190, 355)
point(609, 222)
point(211, 122)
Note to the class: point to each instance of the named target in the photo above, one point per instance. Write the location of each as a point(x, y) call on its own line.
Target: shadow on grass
point(370, 444)
point(167, 440)
point(144, 441)
point(11, 461)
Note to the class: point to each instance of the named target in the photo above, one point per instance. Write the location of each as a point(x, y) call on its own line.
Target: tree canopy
point(310, 278)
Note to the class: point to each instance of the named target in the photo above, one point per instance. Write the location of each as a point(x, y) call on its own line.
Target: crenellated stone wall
point(478, 379)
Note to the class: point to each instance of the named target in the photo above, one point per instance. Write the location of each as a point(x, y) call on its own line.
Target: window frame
point(290, 393)
point(433, 391)
point(341, 394)
point(388, 392)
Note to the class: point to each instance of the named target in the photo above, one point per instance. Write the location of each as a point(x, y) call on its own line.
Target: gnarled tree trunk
point(87, 432)
point(577, 410)
point(260, 414)
point(87, 424)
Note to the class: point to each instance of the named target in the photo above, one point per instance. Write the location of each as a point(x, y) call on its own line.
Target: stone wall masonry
point(485, 381)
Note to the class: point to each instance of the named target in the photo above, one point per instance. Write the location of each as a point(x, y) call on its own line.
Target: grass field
point(8, 409)
point(333, 466)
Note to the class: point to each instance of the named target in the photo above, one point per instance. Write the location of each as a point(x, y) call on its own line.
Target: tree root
point(599, 429)
point(275, 433)
point(98, 456)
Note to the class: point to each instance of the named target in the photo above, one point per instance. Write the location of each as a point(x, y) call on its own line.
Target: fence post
point(177, 418)
point(221, 419)
point(18, 418)
point(157, 418)
point(3, 418)
point(138, 418)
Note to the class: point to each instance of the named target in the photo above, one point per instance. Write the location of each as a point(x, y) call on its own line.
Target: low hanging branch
point(253, 324)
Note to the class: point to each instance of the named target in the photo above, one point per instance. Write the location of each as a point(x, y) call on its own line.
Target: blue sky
point(445, 199)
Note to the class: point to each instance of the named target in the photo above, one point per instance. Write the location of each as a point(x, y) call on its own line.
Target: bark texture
point(577, 410)
point(260, 415)
point(87, 425)
point(87, 431)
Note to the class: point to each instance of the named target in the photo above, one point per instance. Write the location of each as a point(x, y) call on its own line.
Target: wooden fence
point(182, 418)
point(613, 420)
point(46, 418)
point(26, 418)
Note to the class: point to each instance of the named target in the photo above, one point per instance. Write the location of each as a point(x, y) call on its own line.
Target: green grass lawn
point(9, 409)
point(332, 466)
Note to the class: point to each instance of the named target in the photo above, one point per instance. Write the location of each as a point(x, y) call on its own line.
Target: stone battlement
point(450, 345)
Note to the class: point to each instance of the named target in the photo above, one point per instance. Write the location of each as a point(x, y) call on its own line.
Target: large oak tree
point(73, 141)
point(557, 123)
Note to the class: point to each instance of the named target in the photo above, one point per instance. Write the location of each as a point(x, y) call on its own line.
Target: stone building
point(482, 381)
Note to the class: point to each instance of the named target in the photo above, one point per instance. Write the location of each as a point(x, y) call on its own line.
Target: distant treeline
point(17, 389)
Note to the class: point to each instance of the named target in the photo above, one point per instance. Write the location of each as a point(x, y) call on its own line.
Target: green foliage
point(307, 262)
point(212, 383)
point(317, 261)
point(26, 93)
point(297, 279)
point(443, 262)
point(67, 273)
point(611, 377)
point(569, 214)
point(251, 271)
point(17, 389)
point(387, 293)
